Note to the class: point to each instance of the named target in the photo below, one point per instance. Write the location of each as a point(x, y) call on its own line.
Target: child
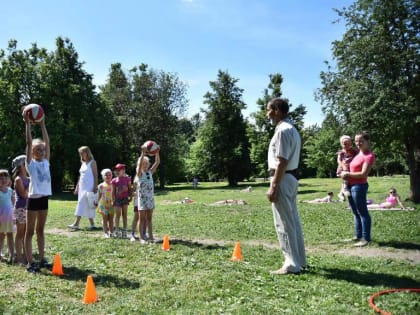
point(6, 213)
point(136, 217)
point(21, 184)
point(326, 199)
point(390, 201)
point(38, 167)
point(344, 157)
point(122, 197)
point(106, 202)
point(146, 201)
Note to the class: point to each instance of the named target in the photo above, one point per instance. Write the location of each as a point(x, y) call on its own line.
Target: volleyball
point(151, 147)
point(35, 112)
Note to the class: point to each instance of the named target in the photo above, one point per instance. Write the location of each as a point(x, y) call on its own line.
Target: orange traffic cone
point(57, 268)
point(90, 292)
point(237, 255)
point(165, 245)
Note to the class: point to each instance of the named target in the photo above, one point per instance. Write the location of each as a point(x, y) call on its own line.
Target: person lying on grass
point(326, 199)
point(390, 201)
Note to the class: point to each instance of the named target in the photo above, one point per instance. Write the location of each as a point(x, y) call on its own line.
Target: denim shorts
point(121, 202)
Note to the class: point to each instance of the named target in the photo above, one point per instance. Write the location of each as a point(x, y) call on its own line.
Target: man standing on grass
point(283, 160)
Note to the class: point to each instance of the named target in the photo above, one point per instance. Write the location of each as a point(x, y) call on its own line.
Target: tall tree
point(223, 134)
point(376, 83)
point(261, 131)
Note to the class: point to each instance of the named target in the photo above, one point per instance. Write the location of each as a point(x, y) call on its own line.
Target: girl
point(6, 213)
point(38, 167)
point(21, 184)
point(146, 201)
point(88, 182)
point(344, 157)
point(122, 197)
point(357, 177)
point(106, 202)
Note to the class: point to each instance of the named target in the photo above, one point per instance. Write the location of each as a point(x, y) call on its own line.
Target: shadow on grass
point(76, 274)
point(400, 245)
point(368, 278)
point(193, 244)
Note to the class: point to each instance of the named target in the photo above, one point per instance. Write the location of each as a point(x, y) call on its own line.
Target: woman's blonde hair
point(87, 151)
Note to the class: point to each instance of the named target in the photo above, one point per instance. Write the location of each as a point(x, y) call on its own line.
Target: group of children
point(25, 208)
point(115, 194)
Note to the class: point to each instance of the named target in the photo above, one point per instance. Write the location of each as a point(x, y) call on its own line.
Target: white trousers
point(287, 224)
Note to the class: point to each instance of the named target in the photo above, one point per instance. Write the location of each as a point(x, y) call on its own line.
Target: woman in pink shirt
point(360, 168)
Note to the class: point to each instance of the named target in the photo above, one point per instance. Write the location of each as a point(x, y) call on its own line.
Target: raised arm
point(156, 163)
point(46, 139)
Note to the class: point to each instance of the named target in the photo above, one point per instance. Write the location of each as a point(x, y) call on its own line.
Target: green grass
point(197, 277)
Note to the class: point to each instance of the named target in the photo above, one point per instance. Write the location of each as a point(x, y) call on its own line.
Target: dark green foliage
point(222, 140)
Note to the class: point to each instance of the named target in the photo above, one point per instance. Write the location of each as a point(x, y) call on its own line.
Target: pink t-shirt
point(356, 165)
point(121, 185)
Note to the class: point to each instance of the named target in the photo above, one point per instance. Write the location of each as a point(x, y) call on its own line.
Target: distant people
point(248, 189)
point(390, 201)
point(357, 177)
point(38, 167)
point(106, 202)
point(122, 198)
point(283, 161)
point(328, 198)
point(229, 202)
point(21, 185)
point(344, 157)
point(7, 200)
point(87, 183)
point(195, 182)
point(146, 195)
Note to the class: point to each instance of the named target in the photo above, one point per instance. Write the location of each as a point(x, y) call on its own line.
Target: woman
point(88, 182)
point(360, 168)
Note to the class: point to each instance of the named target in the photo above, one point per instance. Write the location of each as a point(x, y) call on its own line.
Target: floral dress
point(105, 205)
point(146, 191)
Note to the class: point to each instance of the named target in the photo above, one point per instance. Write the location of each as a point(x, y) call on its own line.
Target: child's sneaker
point(132, 238)
point(92, 227)
point(32, 268)
point(117, 233)
point(346, 192)
point(73, 226)
point(106, 235)
point(124, 234)
point(45, 264)
point(143, 242)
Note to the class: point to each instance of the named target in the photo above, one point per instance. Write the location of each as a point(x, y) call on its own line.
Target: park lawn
point(197, 276)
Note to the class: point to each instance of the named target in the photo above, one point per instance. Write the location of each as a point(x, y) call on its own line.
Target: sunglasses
point(392, 192)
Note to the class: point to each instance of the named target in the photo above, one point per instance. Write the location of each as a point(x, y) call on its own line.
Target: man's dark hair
point(281, 104)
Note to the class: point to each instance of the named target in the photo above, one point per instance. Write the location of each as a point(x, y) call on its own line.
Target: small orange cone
point(57, 268)
point(90, 292)
point(165, 245)
point(237, 255)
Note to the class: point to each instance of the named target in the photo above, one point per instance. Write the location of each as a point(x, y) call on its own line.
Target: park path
point(411, 255)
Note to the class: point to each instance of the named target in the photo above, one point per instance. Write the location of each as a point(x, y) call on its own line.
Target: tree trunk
point(413, 160)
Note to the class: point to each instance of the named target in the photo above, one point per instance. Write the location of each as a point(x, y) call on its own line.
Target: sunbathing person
point(390, 201)
point(326, 199)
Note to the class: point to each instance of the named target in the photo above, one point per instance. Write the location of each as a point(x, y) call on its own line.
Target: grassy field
point(197, 276)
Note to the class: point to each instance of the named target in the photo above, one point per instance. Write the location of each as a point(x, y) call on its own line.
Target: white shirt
point(286, 144)
point(40, 184)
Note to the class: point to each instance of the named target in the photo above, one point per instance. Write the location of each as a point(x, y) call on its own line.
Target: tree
point(322, 147)
point(376, 83)
point(57, 81)
point(223, 134)
point(261, 132)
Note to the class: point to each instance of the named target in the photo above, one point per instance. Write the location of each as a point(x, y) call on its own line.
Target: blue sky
point(192, 38)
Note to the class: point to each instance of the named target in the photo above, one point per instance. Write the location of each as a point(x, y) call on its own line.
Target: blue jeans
point(362, 221)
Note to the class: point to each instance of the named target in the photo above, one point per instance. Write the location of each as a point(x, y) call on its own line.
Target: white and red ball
point(151, 147)
point(35, 112)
